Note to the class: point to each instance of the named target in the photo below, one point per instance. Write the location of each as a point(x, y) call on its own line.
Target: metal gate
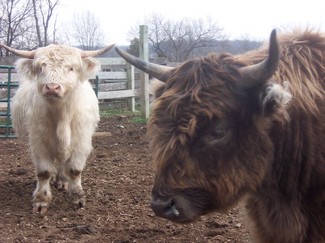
point(6, 88)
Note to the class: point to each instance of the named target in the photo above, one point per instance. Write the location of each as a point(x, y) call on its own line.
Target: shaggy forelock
point(59, 55)
point(192, 96)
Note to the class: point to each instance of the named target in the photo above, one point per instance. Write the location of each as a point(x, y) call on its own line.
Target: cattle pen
point(117, 85)
point(117, 80)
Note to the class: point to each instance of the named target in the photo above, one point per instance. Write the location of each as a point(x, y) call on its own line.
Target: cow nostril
point(165, 208)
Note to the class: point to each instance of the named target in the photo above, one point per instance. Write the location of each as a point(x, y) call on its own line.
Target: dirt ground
point(117, 181)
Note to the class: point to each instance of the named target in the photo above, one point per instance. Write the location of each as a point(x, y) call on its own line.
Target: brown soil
point(117, 182)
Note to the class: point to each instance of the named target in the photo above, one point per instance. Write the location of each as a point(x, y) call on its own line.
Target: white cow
point(57, 109)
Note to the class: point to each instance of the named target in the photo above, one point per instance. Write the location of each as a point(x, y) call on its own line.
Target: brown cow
point(225, 128)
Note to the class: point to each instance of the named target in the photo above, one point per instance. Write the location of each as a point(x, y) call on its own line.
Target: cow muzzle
point(52, 90)
point(185, 206)
point(177, 209)
point(165, 208)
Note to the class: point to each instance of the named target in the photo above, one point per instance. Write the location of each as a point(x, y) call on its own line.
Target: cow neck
point(59, 109)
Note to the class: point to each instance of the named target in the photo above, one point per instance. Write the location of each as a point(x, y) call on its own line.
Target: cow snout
point(165, 208)
point(52, 89)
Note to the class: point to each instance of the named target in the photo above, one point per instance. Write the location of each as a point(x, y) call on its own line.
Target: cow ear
point(90, 67)
point(274, 99)
point(156, 88)
point(26, 68)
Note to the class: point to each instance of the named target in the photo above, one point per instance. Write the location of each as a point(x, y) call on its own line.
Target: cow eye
point(219, 133)
point(71, 69)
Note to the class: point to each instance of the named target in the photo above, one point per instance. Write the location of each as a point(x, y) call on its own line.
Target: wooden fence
point(116, 80)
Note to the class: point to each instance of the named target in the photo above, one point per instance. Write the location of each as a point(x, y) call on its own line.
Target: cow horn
point(256, 74)
point(26, 54)
point(96, 53)
point(155, 70)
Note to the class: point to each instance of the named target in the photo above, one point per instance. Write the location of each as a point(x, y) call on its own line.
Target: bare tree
point(247, 43)
point(134, 47)
point(178, 40)
point(15, 22)
point(26, 24)
point(86, 31)
point(43, 13)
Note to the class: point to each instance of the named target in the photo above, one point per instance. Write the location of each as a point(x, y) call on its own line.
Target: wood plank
point(112, 75)
point(105, 87)
point(116, 94)
point(111, 61)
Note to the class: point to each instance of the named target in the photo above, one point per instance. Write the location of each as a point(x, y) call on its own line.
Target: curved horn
point(155, 70)
point(26, 54)
point(96, 53)
point(258, 73)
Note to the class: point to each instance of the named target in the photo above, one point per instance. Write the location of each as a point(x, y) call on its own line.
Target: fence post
point(144, 78)
point(130, 85)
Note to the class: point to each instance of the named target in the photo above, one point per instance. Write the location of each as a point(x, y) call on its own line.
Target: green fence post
point(7, 126)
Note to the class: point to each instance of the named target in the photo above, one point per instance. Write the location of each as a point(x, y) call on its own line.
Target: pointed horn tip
point(273, 33)
point(105, 49)
point(123, 54)
point(8, 48)
point(96, 53)
point(118, 50)
point(273, 38)
point(4, 46)
point(260, 72)
point(109, 46)
point(274, 45)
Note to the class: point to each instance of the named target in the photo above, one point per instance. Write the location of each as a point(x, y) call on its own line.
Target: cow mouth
point(183, 208)
point(55, 96)
point(169, 210)
point(52, 96)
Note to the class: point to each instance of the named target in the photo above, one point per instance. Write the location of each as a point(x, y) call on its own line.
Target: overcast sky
point(238, 18)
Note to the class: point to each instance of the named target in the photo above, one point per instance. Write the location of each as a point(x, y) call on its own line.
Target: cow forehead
point(57, 55)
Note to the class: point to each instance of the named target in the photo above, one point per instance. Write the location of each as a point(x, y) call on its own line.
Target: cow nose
point(52, 89)
point(164, 208)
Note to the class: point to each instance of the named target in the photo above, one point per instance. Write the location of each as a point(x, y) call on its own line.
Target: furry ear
point(90, 67)
point(26, 69)
point(156, 88)
point(274, 99)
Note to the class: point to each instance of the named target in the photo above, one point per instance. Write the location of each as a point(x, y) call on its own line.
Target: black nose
point(165, 208)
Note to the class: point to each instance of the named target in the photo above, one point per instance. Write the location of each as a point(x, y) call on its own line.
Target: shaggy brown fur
point(214, 143)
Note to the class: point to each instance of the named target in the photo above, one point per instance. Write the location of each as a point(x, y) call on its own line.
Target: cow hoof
point(78, 205)
point(62, 185)
point(41, 201)
point(78, 199)
point(40, 208)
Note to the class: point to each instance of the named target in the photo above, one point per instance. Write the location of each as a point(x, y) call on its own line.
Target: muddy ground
point(117, 182)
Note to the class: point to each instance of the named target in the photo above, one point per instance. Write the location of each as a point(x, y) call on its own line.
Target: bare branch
point(86, 31)
point(179, 40)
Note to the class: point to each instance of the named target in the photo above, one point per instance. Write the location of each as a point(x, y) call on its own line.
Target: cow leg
point(62, 180)
point(45, 171)
point(76, 192)
point(42, 195)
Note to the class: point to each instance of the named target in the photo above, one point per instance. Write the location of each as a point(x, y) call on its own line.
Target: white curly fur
point(58, 128)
